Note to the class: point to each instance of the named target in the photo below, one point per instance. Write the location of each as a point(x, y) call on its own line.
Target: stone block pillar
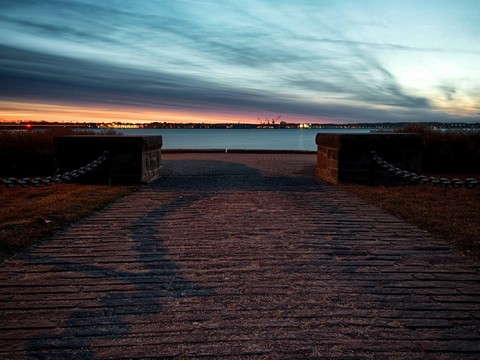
point(346, 157)
point(131, 159)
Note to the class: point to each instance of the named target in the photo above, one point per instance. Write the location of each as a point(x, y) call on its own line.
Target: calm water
point(257, 139)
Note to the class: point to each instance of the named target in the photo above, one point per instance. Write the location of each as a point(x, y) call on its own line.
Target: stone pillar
point(346, 157)
point(131, 159)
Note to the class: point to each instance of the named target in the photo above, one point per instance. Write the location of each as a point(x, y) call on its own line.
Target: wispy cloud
point(251, 56)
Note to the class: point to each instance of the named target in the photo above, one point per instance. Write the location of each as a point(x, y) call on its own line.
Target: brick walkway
point(240, 255)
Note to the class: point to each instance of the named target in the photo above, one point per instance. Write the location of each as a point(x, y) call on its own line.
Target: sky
point(317, 61)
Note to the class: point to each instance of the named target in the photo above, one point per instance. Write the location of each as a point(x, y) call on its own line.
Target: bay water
point(243, 139)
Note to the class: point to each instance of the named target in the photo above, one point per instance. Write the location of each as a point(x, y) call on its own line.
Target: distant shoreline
point(282, 125)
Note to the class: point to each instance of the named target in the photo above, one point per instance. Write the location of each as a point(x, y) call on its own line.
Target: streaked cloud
point(340, 61)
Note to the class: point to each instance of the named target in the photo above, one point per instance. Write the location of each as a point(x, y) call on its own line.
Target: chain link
point(12, 182)
point(422, 179)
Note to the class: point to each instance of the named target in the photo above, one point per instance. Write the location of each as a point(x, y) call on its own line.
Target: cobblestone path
point(240, 256)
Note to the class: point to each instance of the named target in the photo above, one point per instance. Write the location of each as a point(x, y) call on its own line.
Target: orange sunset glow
point(29, 111)
point(71, 113)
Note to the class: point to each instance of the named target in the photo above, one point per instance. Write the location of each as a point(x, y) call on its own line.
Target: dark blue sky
point(206, 60)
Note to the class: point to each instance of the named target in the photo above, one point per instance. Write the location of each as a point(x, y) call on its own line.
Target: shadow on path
point(163, 278)
point(210, 175)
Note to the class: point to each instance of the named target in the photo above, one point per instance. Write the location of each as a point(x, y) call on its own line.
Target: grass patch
point(449, 214)
point(31, 214)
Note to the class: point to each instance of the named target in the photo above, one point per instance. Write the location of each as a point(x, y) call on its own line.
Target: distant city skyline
point(310, 61)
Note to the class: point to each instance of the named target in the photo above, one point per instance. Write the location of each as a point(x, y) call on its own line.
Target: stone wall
point(346, 157)
point(131, 159)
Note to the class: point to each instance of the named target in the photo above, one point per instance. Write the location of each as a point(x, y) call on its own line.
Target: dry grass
point(450, 214)
point(28, 215)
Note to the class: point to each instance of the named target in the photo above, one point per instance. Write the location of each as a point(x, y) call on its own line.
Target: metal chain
point(422, 179)
point(12, 182)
